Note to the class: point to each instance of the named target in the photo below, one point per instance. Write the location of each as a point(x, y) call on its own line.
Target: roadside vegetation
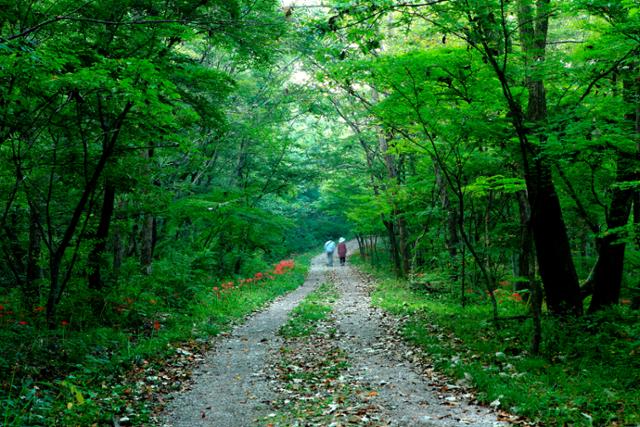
point(88, 376)
point(589, 378)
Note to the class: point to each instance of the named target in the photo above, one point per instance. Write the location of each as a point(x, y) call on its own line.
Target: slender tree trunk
point(16, 253)
point(95, 256)
point(361, 247)
point(404, 246)
point(524, 265)
point(607, 274)
point(110, 137)
point(148, 242)
point(148, 234)
point(32, 291)
point(393, 247)
point(452, 241)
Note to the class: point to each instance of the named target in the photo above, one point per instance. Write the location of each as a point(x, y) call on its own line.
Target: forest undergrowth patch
point(113, 375)
point(587, 373)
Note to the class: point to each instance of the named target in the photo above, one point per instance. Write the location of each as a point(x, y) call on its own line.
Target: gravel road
point(231, 388)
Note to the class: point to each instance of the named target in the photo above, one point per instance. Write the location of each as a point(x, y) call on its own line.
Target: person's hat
point(342, 239)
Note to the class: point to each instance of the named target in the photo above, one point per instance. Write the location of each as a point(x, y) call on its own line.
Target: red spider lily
point(64, 323)
point(283, 266)
point(258, 276)
point(23, 322)
point(156, 325)
point(516, 296)
point(38, 309)
point(1, 307)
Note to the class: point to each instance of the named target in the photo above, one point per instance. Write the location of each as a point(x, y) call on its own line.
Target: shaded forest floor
point(323, 356)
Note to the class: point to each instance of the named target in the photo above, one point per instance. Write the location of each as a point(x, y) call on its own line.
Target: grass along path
point(588, 377)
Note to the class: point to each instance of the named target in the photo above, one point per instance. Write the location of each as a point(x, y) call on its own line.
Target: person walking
point(342, 250)
point(329, 247)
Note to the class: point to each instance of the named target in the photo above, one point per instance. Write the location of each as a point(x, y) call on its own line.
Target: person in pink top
point(342, 250)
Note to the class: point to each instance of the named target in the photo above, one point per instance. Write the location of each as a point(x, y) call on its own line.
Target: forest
point(169, 167)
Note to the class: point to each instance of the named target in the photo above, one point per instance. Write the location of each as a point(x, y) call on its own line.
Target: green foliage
point(587, 378)
point(95, 361)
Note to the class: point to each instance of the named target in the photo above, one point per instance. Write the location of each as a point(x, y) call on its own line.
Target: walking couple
point(330, 246)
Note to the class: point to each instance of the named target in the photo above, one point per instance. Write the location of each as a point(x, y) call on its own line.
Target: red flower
point(283, 266)
point(22, 322)
point(156, 325)
point(1, 307)
point(516, 296)
point(64, 323)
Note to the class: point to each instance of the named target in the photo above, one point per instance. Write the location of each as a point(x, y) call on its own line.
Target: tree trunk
point(550, 235)
point(31, 290)
point(148, 243)
point(15, 253)
point(95, 256)
point(148, 233)
point(393, 247)
point(524, 266)
point(607, 275)
point(451, 239)
point(404, 246)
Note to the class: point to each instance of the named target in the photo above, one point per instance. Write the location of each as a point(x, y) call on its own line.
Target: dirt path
point(235, 385)
point(408, 393)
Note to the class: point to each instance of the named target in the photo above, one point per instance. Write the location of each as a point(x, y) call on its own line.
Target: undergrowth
point(76, 375)
point(587, 372)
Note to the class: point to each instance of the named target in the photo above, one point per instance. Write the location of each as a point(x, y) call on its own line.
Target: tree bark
point(148, 243)
point(608, 271)
point(525, 254)
point(95, 256)
point(550, 235)
point(393, 247)
point(31, 291)
point(452, 241)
